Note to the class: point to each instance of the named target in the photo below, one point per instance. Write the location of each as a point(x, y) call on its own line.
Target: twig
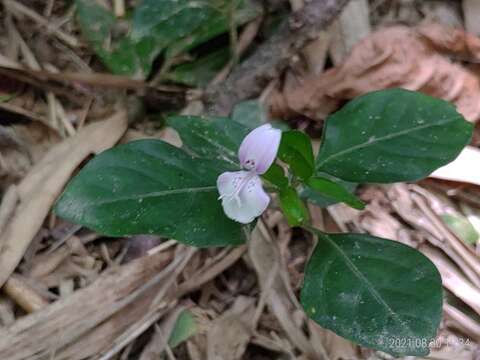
point(253, 74)
point(162, 247)
point(48, 8)
point(26, 76)
point(45, 181)
point(157, 308)
point(17, 7)
point(463, 322)
point(9, 63)
point(7, 207)
point(84, 113)
point(119, 8)
point(52, 111)
point(159, 340)
point(135, 331)
point(23, 294)
point(27, 54)
point(457, 245)
point(67, 125)
point(211, 272)
point(169, 352)
point(233, 32)
point(56, 113)
point(246, 38)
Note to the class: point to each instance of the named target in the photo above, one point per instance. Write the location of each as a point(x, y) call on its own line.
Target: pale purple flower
point(242, 194)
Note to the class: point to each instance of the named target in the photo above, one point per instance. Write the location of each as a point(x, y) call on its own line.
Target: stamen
point(249, 164)
point(238, 184)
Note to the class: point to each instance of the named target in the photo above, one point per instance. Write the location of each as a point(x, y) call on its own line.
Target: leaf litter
point(72, 294)
point(425, 58)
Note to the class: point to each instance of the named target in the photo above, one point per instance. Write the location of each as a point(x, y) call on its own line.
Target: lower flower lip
point(243, 201)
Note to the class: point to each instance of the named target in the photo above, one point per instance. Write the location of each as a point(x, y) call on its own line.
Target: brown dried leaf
point(38, 191)
point(471, 13)
point(272, 275)
point(229, 335)
point(46, 332)
point(159, 341)
point(397, 56)
point(336, 347)
point(24, 139)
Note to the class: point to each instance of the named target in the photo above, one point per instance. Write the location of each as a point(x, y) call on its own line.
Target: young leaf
point(335, 191)
point(200, 72)
point(462, 228)
point(212, 138)
point(296, 150)
point(376, 292)
point(276, 176)
point(151, 187)
point(391, 135)
point(184, 328)
point(313, 196)
point(293, 207)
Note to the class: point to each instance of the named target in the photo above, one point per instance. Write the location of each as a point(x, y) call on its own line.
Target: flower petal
point(242, 194)
point(259, 148)
point(228, 183)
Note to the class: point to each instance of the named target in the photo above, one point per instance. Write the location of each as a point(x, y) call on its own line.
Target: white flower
point(242, 194)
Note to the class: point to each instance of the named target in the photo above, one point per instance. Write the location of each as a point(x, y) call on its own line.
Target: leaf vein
point(371, 289)
point(380, 139)
point(157, 194)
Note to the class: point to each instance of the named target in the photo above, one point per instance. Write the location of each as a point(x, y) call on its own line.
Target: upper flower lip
point(259, 148)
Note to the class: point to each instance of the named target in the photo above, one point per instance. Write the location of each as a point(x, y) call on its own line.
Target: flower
point(241, 192)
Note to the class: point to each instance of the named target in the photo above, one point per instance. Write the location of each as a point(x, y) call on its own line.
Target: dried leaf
point(352, 25)
point(24, 139)
point(397, 56)
point(462, 169)
point(229, 335)
point(61, 324)
point(271, 272)
point(39, 189)
point(471, 13)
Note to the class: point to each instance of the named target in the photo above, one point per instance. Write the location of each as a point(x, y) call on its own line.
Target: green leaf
point(250, 113)
point(180, 25)
point(216, 24)
point(114, 45)
point(296, 150)
point(212, 138)
point(120, 55)
point(169, 20)
point(7, 97)
point(376, 292)
point(276, 176)
point(321, 200)
point(293, 207)
point(462, 228)
point(391, 135)
point(95, 21)
point(185, 327)
point(170, 26)
point(151, 187)
point(335, 191)
point(201, 71)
